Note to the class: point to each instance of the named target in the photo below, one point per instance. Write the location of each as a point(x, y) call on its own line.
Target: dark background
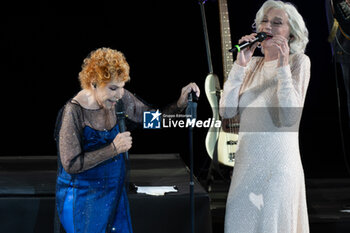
point(43, 46)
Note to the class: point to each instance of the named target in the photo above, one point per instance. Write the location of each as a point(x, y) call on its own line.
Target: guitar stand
point(215, 166)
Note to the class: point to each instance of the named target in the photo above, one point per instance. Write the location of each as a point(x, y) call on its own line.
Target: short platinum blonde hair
point(298, 30)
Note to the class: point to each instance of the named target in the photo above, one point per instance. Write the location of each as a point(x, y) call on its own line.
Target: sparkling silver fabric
point(267, 192)
point(73, 158)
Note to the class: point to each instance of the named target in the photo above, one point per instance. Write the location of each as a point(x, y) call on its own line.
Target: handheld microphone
point(120, 112)
point(260, 37)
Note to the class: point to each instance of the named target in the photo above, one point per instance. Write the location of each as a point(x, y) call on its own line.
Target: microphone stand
point(191, 113)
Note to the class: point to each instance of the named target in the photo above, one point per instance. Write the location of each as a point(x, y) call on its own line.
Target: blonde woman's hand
point(283, 49)
point(244, 56)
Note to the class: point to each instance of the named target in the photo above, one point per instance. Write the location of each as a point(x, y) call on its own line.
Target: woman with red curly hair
point(90, 190)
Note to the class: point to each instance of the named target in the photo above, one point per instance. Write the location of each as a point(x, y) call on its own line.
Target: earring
point(259, 45)
point(94, 85)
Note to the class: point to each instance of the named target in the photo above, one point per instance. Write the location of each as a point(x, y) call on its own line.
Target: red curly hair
point(101, 66)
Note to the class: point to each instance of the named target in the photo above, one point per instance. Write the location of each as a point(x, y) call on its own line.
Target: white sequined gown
point(267, 192)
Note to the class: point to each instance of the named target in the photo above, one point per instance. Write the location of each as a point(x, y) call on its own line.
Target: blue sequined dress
point(98, 194)
point(90, 189)
point(91, 197)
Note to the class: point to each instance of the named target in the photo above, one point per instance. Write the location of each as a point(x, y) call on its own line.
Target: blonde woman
point(267, 191)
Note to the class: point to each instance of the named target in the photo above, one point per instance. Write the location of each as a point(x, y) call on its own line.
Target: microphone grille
point(261, 36)
point(119, 106)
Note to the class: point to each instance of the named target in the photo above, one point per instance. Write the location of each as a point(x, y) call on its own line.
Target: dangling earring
point(254, 26)
point(259, 45)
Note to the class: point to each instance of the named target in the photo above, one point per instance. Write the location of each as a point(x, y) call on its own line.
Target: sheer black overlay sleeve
point(75, 118)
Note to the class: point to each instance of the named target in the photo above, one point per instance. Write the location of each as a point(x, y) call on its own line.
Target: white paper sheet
point(156, 190)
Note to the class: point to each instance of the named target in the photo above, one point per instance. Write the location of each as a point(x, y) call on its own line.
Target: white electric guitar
point(221, 142)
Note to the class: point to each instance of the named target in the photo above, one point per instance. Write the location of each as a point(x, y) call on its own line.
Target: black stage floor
point(328, 205)
point(27, 195)
point(21, 189)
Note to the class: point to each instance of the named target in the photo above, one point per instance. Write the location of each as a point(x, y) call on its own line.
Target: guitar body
point(212, 88)
point(227, 147)
point(222, 141)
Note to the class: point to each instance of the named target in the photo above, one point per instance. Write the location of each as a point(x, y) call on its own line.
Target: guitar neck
point(226, 44)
